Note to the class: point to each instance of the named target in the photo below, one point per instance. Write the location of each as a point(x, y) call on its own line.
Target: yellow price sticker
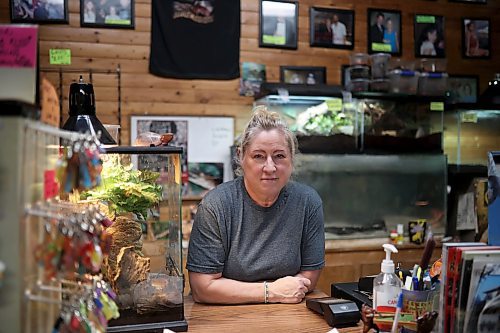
point(469, 117)
point(334, 104)
point(60, 56)
point(437, 106)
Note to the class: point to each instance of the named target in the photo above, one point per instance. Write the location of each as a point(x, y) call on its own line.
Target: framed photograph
point(384, 31)
point(429, 36)
point(107, 13)
point(476, 40)
point(463, 88)
point(303, 75)
point(278, 24)
point(331, 27)
point(39, 11)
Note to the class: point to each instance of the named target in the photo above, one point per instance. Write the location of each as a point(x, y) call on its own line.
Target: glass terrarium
point(470, 133)
point(401, 124)
point(141, 192)
point(322, 124)
point(366, 196)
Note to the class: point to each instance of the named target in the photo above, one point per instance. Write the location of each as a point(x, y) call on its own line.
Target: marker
point(397, 314)
point(415, 283)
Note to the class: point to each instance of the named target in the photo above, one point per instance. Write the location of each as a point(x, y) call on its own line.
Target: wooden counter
point(257, 318)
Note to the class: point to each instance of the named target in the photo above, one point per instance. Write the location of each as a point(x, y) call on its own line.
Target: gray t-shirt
point(234, 236)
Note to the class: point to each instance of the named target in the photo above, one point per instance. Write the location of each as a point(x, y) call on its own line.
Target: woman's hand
point(289, 289)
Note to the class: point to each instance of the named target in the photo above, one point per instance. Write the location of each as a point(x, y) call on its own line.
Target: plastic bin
point(432, 84)
point(359, 59)
point(358, 85)
point(358, 72)
point(380, 64)
point(380, 85)
point(403, 81)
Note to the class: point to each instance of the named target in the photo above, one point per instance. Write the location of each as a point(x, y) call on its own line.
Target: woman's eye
point(280, 156)
point(258, 156)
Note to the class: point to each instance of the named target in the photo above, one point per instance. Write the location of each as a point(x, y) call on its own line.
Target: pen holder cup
point(419, 302)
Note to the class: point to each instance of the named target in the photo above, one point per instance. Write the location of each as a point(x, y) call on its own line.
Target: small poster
point(253, 75)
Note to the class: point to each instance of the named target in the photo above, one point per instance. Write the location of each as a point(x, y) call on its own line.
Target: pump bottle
point(387, 285)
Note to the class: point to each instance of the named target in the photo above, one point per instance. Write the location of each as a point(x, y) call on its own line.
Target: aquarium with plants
point(141, 193)
point(321, 124)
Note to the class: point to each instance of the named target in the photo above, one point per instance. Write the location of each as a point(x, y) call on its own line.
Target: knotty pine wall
point(145, 94)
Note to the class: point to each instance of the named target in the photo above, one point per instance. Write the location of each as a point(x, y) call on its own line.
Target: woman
point(259, 227)
point(89, 13)
point(391, 36)
point(427, 44)
point(472, 42)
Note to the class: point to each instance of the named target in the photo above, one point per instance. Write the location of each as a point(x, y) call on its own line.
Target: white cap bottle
point(386, 286)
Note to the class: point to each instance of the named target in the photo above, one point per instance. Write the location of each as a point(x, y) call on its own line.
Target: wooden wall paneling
point(105, 49)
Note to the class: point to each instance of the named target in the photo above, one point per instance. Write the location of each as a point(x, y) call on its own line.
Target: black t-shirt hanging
point(193, 39)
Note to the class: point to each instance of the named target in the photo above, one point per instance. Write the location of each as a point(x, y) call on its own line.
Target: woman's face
point(388, 25)
point(432, 36)
point(267, 164)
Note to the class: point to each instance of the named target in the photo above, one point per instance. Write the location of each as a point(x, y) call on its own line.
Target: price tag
point(381, 47)
point(50, 186)
point(425, 19)
point(60, 56)
point(469, 117)
point(437, 106)
point(334, 104)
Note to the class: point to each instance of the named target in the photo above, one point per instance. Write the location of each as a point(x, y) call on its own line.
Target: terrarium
point(401, 124)
point(322, 124)
point(141, 193)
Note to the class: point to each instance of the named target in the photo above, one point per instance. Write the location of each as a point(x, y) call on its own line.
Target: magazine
point(487, 288)
point(484, 256)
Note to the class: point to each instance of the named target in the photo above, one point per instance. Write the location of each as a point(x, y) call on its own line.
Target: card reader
point(337, 312)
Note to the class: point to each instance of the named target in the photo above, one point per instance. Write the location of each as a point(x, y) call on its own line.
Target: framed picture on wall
point(463, 88)
point(39, 11)
point(331, 27)
point(107, 13)
point(429, 36)
point(476, 40)
point(303, 75)
point(384, 31)
point(278, 25)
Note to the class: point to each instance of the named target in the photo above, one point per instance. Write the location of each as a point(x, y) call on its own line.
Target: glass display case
point(363, 122)
point(392, 171)
point(141, 187)
point(401, 124)
point(471, 131)
point(322, 124)
point(368, 195)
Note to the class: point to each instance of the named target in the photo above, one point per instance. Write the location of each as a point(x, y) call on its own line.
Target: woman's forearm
point(227, 291)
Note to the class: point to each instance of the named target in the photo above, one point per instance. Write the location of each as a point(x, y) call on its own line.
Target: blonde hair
point(263, 120)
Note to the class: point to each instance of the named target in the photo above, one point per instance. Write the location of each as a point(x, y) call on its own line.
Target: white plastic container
point(387, 286)
point(403, 82)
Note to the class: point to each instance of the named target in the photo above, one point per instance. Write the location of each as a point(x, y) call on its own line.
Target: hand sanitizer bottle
point(387, 286)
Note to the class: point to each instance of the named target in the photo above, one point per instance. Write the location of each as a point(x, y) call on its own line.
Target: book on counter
point(463, 266)
point(443, 296)
point(469, 276)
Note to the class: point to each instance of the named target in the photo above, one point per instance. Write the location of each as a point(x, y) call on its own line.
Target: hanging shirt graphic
point(198, 11)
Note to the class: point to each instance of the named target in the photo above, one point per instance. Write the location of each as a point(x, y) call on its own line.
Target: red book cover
point(454, 279)
point(448, 285)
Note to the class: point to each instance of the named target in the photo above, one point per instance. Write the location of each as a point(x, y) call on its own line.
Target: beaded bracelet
point(266, 293)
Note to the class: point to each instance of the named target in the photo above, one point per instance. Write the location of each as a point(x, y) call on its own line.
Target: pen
point(397, 314)
point(415, 283)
